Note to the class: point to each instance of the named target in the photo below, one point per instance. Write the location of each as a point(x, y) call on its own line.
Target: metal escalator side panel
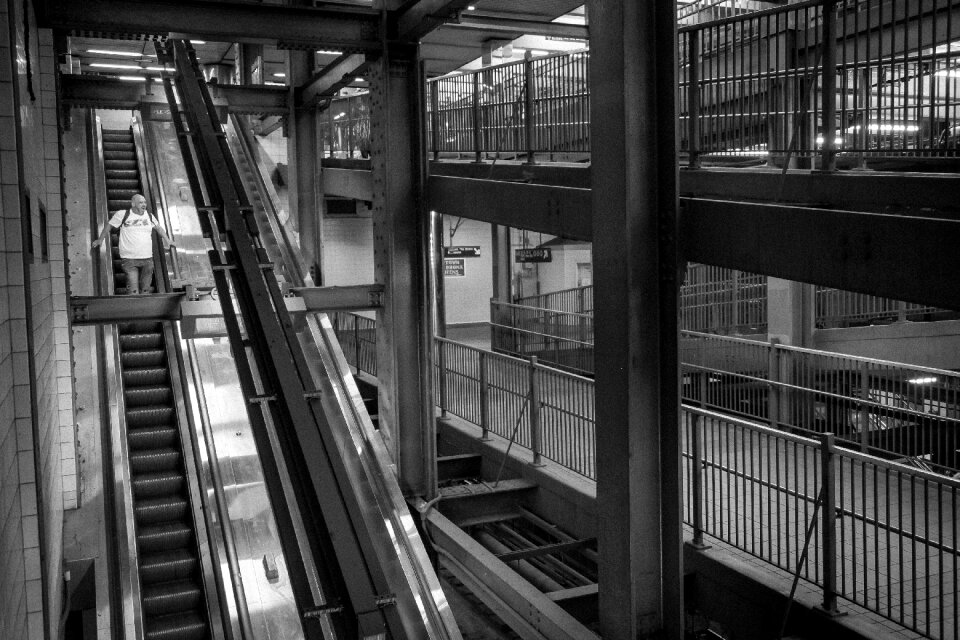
point(371, 474)
point(123, 503)
point(420, 597)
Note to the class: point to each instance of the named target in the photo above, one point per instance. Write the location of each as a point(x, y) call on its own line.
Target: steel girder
point(331, 25)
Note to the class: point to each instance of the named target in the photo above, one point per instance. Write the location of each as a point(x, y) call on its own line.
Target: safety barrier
point(877, 533)
point(757, 84)
point(874, 532)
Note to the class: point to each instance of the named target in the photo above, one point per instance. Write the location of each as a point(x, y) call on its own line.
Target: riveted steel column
point(306, 195)
point(401, 229)
point(634, 172)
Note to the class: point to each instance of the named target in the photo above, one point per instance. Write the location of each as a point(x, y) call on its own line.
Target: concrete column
point(401, 228)
point(790, 312)
point(502, 277)
point(306, 195)
point(634, 173)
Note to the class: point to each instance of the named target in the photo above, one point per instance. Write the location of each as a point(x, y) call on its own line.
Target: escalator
point(172, 601)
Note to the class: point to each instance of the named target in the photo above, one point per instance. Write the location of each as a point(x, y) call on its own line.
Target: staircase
point(171, 587)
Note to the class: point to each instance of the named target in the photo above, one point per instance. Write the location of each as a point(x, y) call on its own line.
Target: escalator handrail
point(407, 543)
point(203, 520)
point(292, 258)
point(127, 553)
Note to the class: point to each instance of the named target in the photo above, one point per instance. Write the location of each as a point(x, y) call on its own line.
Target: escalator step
point(161, 483)
point(139, 327)
point(176, 626)
point(124, 175)
point(114, 194)
point(149, 416)
point(157, 510)
point(146, 358)
point(123, 183)
point(147, 376)
point(141, 341)
point(115, 144)
point(147, 396)
point(130, 165)
point(154, 459)
point(171, 597)
point(113, 154)
point(178, 564)
point(155, 437)
point(118, 204)
point(164, 537)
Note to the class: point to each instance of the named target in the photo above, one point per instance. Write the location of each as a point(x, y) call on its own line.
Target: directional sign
point(533, 255)
point(461, 252)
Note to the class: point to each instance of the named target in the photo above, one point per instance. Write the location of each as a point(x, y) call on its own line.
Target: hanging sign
point(461, 252)
point(453, 268)
point(533, 255)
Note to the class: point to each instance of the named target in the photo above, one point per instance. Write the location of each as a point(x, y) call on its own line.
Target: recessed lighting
point(279, 75)
point(108, 52)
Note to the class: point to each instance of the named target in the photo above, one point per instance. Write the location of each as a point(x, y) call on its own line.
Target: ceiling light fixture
point(279, 75)
point(358, 79)
point(330, 52)
point(274, 84)
point(107, 52)
point(132, 78)
point(198, 42)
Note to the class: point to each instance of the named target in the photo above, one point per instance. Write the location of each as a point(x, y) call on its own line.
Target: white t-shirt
point(136, 235)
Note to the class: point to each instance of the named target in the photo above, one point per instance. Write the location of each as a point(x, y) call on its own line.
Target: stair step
point(154, 460)
point(171, 597)
point(160, 483)
point(157, 510)
point(177, 564)
point(176, 626)
point(164, 537)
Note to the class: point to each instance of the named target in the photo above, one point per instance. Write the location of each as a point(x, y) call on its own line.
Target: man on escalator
point(136, 243)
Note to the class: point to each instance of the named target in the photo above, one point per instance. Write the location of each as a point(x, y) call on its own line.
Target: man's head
point(138, 204)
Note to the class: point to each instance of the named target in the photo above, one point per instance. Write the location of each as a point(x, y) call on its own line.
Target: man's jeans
point(139, 274)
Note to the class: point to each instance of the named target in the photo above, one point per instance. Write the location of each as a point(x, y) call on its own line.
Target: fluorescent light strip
point(128, 54)
point(279, 75)
point(198, 42)
point(131, 67)
point(330, 52)
point(133, 78)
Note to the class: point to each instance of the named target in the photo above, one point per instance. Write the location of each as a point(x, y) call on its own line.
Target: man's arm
point(164, 239)
point(103, 234)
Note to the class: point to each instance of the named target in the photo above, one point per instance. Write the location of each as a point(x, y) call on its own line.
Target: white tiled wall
point(48, 459)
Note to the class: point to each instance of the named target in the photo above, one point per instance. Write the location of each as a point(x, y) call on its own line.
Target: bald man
point(136, 243)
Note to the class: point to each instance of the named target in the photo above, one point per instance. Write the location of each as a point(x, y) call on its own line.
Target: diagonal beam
point(332, 25)
point(519, 27)
point(424, 16)
point(331, 79)
point(899, 257)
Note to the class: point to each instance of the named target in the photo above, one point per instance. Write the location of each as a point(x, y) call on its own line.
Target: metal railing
point(562, 338)
point(344, 128)
point(837, 309)
point(728, 301)
point(885, 537)
point(757, 84)
point(358, 339)
point(884, 408)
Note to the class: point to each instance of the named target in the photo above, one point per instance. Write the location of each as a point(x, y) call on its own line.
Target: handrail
point(204, 521)
point(118, 469)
